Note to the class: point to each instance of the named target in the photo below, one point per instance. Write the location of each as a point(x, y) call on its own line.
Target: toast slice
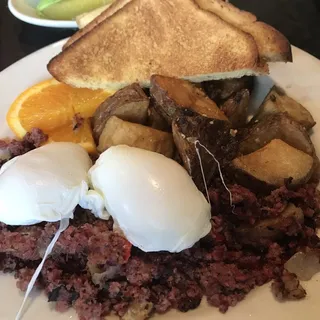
point(146, 37)
point(273, 45)
point(108, 12)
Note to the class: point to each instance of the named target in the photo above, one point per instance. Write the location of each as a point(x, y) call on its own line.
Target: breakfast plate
point(25, 11)
point(300, 79)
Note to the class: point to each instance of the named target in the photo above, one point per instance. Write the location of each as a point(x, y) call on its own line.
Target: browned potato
point(156, 120)
point(118, 132)
point(276, 126)
point(236, 108)
point(278, 102)
point(272, 165)
point(171, 95)
point(269, 229)
point(130, 104)
point(138, 311)
point(221, 90)
point(216, 135)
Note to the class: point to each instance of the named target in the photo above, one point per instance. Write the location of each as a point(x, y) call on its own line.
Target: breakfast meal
point(142, 183)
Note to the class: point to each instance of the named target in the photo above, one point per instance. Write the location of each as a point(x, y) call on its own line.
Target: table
point(299, 20)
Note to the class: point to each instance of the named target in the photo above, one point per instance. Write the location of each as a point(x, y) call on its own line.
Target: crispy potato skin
point(236, 108)
point(221, 90)
point(269, 167)
point(189, 128)
point(278, 102)
point(172, 95)
point(275, 126)
point(129, 103)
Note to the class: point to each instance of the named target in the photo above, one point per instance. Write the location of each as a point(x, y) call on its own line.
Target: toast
point(147, 37)
point(272, 45)
point(108, 12)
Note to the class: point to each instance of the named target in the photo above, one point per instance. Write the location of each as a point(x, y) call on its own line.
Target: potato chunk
point(278, 102)
point(129, 103)
point(119, 132)
point(172, 95)
point(274, 164)
point(276, 126)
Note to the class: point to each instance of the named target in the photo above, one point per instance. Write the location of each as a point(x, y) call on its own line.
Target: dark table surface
point(298, 20)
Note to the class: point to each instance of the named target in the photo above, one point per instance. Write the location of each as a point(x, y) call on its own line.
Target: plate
point(300, 79)
point(25, 11)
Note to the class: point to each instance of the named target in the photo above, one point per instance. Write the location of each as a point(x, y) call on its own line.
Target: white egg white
point(45, 184)
point(152, 199)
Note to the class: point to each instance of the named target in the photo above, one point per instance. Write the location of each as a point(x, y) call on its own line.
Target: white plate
point(25, 11)
point(301, 80)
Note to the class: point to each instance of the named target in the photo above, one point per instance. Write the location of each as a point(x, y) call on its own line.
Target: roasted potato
point(236, 108)
point(130, 104)
point(278, 102)
point(272, 165)
point(221, 90)
point(172, 95)
point(156, 120)
point(276, 126)
point(216, 135)
point(118, 132)
point(269, 229)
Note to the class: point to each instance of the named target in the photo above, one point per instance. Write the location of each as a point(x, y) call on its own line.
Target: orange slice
point(82, 135)
point(51, 107)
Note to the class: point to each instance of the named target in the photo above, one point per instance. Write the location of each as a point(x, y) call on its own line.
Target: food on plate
point(236, 107)
point(278, 102)
point(53, 107)
point(149, 233)
point(138, 27)
point(190, 131)
point(172, 95)
point(114, 7)
point(274, 164)
point(85, 18)
point(304, 264)
point(275, 126)
point(130, 104)
point(67, 9)
point(272, 45)
point(79, 131)
point(151, 198)
point(221, 90)
point(119, 132)
point(156, 120)
point(272, 228)
point(43, 184)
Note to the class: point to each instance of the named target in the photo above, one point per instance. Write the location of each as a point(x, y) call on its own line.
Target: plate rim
point(39, 21)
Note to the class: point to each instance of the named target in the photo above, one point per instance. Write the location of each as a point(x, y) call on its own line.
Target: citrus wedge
point(82, 135)
point(51, 106)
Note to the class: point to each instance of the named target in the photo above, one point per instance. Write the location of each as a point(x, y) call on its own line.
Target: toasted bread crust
point(273, 45)
point(133, 44)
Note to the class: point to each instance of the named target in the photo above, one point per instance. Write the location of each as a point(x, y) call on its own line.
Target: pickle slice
point(67, 9)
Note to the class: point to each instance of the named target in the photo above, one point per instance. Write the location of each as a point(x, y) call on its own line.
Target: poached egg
point(45, 184)
point(151, 198)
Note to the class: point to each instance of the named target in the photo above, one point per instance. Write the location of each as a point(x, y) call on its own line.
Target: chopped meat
point(96, 271)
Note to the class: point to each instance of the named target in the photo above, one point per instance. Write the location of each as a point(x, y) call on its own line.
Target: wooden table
point(299, 20)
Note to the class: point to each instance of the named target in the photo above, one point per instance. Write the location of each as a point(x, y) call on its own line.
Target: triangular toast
point(169, 37)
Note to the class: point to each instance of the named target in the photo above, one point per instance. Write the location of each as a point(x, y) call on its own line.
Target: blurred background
point(298, 20)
